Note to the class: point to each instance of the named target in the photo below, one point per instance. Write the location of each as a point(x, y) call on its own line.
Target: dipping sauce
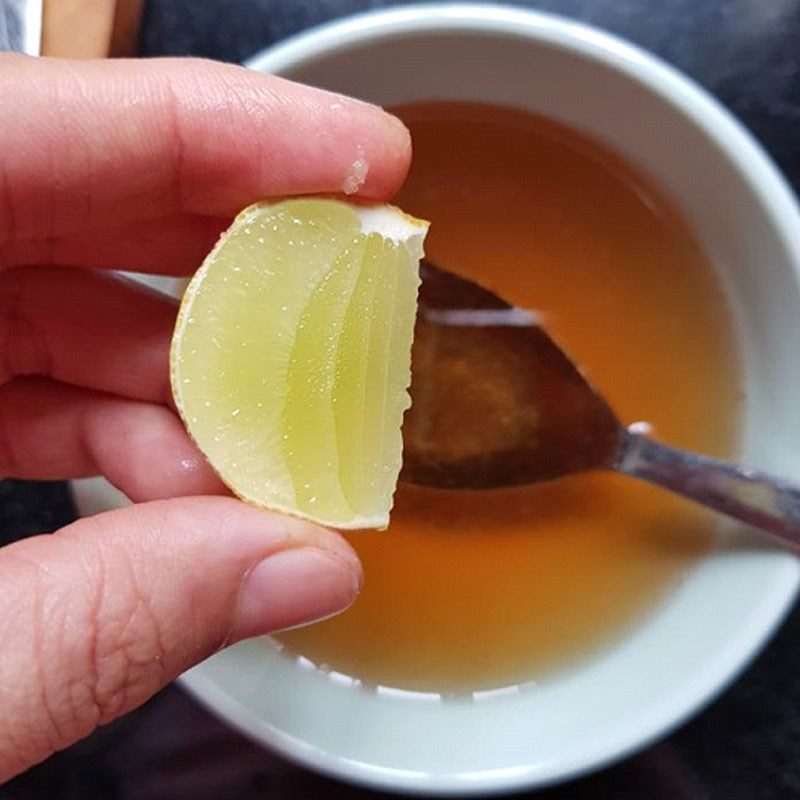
point(469, 591)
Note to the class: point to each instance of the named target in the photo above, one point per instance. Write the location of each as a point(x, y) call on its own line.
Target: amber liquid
point(468, 591)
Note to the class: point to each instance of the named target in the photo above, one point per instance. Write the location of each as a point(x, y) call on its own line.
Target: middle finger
point(90, 329)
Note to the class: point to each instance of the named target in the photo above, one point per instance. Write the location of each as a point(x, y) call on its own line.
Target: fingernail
point(293, 587)
point(396, 123)
point(400, 130)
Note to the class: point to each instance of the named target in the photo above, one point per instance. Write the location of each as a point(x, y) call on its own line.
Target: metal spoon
point(497, 403)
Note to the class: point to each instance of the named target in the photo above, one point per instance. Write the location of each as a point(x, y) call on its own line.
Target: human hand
point(138, 166)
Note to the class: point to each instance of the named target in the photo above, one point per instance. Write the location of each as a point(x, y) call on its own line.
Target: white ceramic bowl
point(691, 647)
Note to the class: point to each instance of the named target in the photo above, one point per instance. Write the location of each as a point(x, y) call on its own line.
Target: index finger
point(110, 142)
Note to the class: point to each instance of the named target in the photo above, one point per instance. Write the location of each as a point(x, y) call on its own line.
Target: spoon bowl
point(496, 402)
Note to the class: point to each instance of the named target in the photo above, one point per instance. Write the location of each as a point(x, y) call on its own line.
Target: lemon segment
point(310, 443)
point(290, 361)
point(398, 378)
point(378, 362)
point(352, 387)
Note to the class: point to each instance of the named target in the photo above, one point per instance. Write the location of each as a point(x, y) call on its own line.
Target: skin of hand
point(138, 165)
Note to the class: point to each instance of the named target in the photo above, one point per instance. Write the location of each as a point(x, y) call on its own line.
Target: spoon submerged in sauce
point(496, 403)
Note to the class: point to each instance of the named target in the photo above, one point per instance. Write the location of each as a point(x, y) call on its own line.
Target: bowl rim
point(773, 194)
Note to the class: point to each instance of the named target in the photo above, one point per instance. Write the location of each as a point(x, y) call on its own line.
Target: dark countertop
point(745, 745)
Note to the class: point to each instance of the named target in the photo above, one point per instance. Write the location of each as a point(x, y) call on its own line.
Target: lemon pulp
point(290, 361)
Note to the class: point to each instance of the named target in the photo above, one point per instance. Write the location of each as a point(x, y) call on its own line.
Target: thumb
point(99, 616)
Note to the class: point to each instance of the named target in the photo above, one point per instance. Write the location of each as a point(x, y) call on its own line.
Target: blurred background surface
point(744, 746)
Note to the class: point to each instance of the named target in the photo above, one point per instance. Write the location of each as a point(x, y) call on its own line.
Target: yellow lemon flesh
point(290, 361)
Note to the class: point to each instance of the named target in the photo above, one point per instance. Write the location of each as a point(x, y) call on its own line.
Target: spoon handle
point(769, 503)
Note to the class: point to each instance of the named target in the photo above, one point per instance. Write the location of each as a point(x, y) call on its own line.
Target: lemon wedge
point(290, 361)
